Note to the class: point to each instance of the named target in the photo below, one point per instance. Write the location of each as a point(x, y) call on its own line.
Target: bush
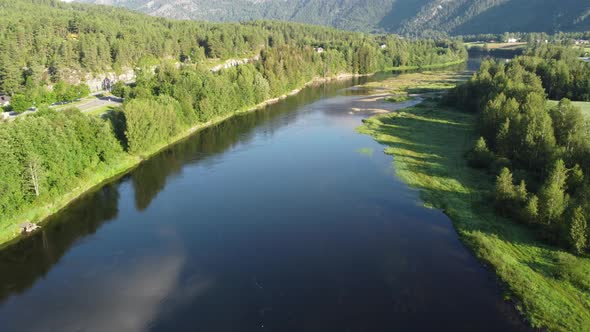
point(120, 90)
point(530, 211)
point(480, 156)
point(568, 268)
point(577, 231)
point(20, 103)
point(498, 164)
point(399, 98)
point(565, 266)
point(505, 192)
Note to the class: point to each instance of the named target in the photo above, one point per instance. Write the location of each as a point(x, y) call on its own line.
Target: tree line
point(540, 152)
point(562, 73)
point(566, 38)
point(165, 102)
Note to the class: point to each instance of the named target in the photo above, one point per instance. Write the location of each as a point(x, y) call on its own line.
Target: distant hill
point(402, 16)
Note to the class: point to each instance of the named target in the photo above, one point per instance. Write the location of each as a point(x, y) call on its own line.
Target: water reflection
point(126, 299)
point(24, 262)
point(475, 60)
point(150, 177)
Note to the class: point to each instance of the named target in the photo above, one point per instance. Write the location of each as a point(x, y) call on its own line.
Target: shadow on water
point(26, 261)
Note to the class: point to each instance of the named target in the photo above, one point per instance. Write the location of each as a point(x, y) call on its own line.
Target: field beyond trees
point(582, 105)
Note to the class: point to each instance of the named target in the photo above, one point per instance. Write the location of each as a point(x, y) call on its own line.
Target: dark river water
point(285, 219)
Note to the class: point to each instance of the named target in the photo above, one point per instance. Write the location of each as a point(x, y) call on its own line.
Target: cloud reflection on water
point(128, 299)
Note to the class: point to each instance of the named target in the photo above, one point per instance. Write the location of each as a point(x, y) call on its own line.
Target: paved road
point(99, 102)
point(85, 106)
point(92, 104)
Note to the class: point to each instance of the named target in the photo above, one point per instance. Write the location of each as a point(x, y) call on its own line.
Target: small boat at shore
point(28, 227)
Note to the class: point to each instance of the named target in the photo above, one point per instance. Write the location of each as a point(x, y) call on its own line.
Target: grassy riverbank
point(433, 66)
point(550, 287)
point(421, 82)
point(497, 46)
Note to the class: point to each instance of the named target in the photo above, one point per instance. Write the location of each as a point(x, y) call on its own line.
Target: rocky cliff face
point(95, 80)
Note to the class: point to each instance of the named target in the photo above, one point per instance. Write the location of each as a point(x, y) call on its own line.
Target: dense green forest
point(541, 153)
point(71, 40)
point(48, 153)
point(409, 17)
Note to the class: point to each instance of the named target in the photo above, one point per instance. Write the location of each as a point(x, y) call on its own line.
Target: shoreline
point(39, 215)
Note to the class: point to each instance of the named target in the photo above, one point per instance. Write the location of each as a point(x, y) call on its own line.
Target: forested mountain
point(402, 16)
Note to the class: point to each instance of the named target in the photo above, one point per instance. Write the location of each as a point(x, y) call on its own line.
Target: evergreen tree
point(552, 195)
point(480, 156)
point(531, 210)
point(20, 103)
point(505, 193)
point(10, 74)
point(521, 192)
point(568, 124)
point(575, 180)
point(577, 230)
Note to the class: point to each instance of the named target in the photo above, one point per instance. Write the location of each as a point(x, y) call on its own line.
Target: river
point(284, 219)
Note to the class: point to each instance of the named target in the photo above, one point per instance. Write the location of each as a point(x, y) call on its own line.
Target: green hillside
point(401, 16)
